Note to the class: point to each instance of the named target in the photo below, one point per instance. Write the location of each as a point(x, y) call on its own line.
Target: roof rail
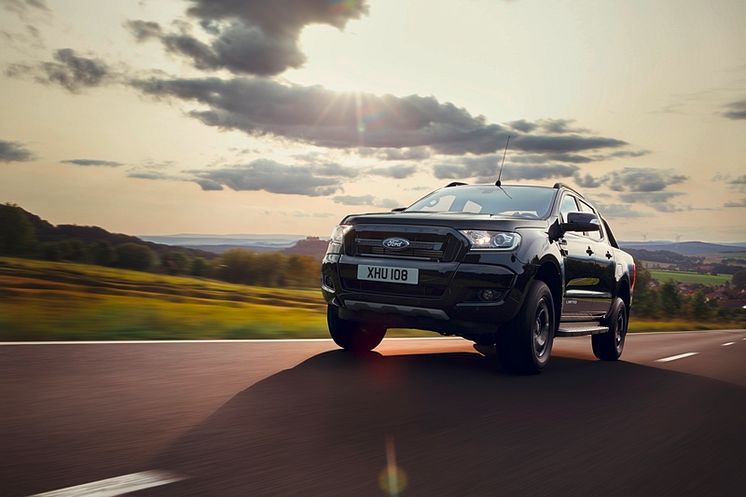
point(562, 185)
point(455, 183)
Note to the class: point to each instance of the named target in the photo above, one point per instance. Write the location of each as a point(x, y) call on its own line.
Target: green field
point(682, 277)
point(42, 300)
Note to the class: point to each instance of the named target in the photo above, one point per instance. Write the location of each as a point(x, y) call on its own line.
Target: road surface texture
point(301, 418)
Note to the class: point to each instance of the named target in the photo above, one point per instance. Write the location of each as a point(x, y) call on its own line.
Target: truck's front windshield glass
point(512, 201)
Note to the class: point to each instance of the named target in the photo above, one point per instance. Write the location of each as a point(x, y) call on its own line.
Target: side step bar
point(580, 329)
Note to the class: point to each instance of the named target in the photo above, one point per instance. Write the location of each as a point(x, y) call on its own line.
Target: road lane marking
point(726, 344)
point(118, 485)
point(677, 357)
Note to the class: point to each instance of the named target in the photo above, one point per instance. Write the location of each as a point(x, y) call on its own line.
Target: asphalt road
point(305, 419)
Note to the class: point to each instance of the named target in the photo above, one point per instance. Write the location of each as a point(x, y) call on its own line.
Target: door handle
point(608, 255)
point(589, 251)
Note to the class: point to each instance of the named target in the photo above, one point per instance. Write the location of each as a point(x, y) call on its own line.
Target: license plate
point(405, 275)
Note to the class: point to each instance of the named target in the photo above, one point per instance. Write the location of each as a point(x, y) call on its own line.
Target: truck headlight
point(339, 232)
point(492, 240)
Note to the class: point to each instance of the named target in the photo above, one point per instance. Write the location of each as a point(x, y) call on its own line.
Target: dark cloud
point(315, 115)
point(92, 162)
point(21, 7)
point(485, 168)
point(354, 200)
point(642, 179)
point(332, 169)
point(523, 126)
point(14, 152)
point(737, 203)
point(249, 36)
point(564, 143)
point(587, 181)
point(398, 171)
point(69, 70)
point(269, 176)
point(658, 200)
point(559, 126)
point(736, 110)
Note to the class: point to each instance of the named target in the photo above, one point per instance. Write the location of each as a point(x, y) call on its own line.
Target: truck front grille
point(429, 246)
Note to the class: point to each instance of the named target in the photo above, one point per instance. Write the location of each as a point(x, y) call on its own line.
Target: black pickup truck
point(505, 266)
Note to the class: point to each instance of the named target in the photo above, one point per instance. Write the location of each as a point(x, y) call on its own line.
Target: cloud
point(270, 176)
point(642, 179)
point(485, 169)
point(254, 37)
point(737, 203)
point(618, 211)
point(14, 152)
point(587, 181)
point(22, 7)
point(736, 110)
point(68, 70)
point(318, 116)
point(92, 162)
point(384, 203)
point(658, 200)
point(399, 171)
point(416, 153)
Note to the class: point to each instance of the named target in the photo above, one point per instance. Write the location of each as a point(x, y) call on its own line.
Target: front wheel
point(609, 346)
point(351, 335)
point(525, 344)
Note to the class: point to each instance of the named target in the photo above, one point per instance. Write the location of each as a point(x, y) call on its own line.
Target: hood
point(458, 220)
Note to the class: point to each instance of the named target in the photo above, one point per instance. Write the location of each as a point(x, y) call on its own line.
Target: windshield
point(513, 201)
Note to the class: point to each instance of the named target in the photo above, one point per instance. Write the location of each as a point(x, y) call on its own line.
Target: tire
point(351, 335)
point(525, 344)
point(609, 346)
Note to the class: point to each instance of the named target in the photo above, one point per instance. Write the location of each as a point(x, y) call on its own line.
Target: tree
point(50, 251)
point(135, 256)
point(17, 235)
point(739, 279)
point(175, 262)
point(670, 299)
point(200, 267)
point(102, 253)
point(698, 307)
point(645, 297)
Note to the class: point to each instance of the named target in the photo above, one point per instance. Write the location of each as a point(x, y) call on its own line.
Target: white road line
point(726, 344)
point(195, 341)
point(118, 485)
point(677, 357)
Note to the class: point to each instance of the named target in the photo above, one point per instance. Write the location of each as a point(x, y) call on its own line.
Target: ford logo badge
point(396, 243)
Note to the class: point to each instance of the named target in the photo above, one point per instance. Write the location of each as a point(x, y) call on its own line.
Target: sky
point(276, 117)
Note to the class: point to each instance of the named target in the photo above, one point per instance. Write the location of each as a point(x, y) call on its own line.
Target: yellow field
point(41, 300)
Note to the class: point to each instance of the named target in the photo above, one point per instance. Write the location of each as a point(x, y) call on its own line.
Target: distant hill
point(48, 232)
point(686, 248)
point(312, 246)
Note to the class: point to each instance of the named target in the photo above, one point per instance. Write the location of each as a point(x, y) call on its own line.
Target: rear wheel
point(352, 335)
point(609, 346)
point(525, 344)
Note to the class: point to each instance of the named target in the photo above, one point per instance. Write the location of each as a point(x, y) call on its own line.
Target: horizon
point(189, 116)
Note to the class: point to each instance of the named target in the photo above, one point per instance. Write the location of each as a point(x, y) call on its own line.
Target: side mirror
point(581, 221)
point(398, 209)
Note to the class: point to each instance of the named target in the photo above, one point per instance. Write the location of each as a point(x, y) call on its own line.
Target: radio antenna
point(500, 174)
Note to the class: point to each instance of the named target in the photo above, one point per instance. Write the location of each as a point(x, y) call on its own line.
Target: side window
point(568, 205)
point(595, 235)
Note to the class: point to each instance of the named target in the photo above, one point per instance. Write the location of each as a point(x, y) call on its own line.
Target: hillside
point(685, 248)
point(47, 232)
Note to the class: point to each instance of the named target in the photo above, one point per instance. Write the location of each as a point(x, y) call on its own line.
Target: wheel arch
point(549, 271)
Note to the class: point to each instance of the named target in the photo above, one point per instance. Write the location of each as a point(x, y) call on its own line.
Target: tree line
point(18, 238)
point(668, 302)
